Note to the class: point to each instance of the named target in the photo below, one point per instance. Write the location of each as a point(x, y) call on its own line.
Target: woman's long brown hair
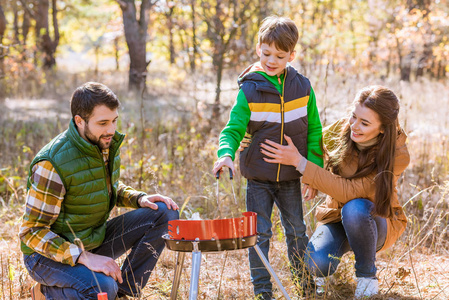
point(378, 158)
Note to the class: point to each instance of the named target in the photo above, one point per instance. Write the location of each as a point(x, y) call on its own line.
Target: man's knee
point(108, 285)
point(166, 213)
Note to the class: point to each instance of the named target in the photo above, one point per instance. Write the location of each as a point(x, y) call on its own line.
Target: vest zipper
point(105, 171)
point(282, 118)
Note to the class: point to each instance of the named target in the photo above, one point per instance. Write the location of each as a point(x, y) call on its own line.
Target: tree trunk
point(426, 57)
point(26, 24)
point(16, 22)
point(46, 44)
point(441, 73)
point(194, 42)
point(2, 24)
point(406, 66)
point(405, 63)
point(2, 51)
point(216, 109)
point(170, 25)
point(116, 52)
point(135, 35)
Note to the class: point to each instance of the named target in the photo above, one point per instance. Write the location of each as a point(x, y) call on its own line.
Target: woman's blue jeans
point(358, 231)
point(140, 230)
point(260, 198)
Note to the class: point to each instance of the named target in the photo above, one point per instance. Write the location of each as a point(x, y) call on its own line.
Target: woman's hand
point(308, 193)
point(279, 154)
point(244, 144)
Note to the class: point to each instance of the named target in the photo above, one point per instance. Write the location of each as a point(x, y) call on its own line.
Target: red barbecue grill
point(198, 236)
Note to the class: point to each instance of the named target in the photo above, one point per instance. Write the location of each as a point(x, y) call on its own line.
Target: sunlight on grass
point(175, 157)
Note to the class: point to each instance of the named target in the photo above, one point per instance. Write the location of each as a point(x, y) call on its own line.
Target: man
point(69, 245)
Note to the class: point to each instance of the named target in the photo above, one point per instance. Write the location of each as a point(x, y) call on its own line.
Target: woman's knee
point(320, 264)
point(357, 210)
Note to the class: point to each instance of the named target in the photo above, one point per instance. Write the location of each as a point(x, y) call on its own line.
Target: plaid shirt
point(43, 205)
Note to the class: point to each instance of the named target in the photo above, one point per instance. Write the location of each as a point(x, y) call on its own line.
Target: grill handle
point(231, 175)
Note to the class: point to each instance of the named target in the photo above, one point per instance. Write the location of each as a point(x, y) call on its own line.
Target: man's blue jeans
point(358, 231)
point(140, 230)
point(260, 197)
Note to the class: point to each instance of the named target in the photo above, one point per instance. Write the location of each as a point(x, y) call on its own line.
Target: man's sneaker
point(264, 296)
point(36, 293)
point(366, 287)
point(320, 284)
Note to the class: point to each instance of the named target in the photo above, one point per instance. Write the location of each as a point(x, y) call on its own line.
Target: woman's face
point(365, 124)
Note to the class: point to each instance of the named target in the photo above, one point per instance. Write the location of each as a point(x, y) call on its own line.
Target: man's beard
point(97, 141)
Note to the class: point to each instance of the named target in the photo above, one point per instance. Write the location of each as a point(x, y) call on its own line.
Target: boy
point(274, 100)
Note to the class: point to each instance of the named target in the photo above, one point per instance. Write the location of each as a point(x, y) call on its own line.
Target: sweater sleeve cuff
point(302, 166)
point(138, 198)
point(72, 255)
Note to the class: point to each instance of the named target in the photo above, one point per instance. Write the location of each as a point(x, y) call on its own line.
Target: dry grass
point(175, 157)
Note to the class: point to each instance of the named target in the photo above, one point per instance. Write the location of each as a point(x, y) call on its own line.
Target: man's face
point(100, 128)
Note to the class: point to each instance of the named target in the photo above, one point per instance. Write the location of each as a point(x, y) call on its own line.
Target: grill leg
point(177, 277)
point(271, 271)
point(195, 276)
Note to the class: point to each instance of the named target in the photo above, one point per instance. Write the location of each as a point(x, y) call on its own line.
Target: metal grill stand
point(212, 236)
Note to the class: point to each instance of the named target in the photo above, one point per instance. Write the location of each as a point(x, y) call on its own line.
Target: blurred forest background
point(174, 66)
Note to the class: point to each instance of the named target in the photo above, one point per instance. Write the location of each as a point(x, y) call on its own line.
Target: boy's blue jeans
point(260, 197)
point(358, 231)
point(140, 230)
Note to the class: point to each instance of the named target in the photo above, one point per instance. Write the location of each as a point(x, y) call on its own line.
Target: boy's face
point(273, 60)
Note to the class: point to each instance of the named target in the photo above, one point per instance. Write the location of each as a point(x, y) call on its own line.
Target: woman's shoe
point(366, 287)
point(320, 284)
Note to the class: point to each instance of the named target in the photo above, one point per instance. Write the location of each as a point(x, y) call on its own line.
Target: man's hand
point(224, 161)
point(100, 263)
point(308, 193)
point(149, 201)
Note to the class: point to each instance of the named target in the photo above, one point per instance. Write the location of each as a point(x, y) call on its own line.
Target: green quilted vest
point(86, 205)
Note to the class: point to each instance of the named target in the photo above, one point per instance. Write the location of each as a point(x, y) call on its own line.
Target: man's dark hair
point(91, 94)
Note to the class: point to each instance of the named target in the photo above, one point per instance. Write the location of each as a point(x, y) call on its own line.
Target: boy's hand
point(308, 193)
point(224, 161)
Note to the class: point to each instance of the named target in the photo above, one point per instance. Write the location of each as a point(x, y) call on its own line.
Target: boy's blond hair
point(280, 31)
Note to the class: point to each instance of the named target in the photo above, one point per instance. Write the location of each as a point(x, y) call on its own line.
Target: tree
point(223, 19)
point(2, 47)
point(136, 39)
point(2, 25)
point(170, 27)
point(45, 43)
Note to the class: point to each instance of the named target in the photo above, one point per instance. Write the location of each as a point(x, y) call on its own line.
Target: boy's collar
point(257, 67)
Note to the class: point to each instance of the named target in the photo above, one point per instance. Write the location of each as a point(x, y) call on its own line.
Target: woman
point(366, 155)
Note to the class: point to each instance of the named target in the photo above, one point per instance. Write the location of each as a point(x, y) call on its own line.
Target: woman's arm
point(339, 188)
